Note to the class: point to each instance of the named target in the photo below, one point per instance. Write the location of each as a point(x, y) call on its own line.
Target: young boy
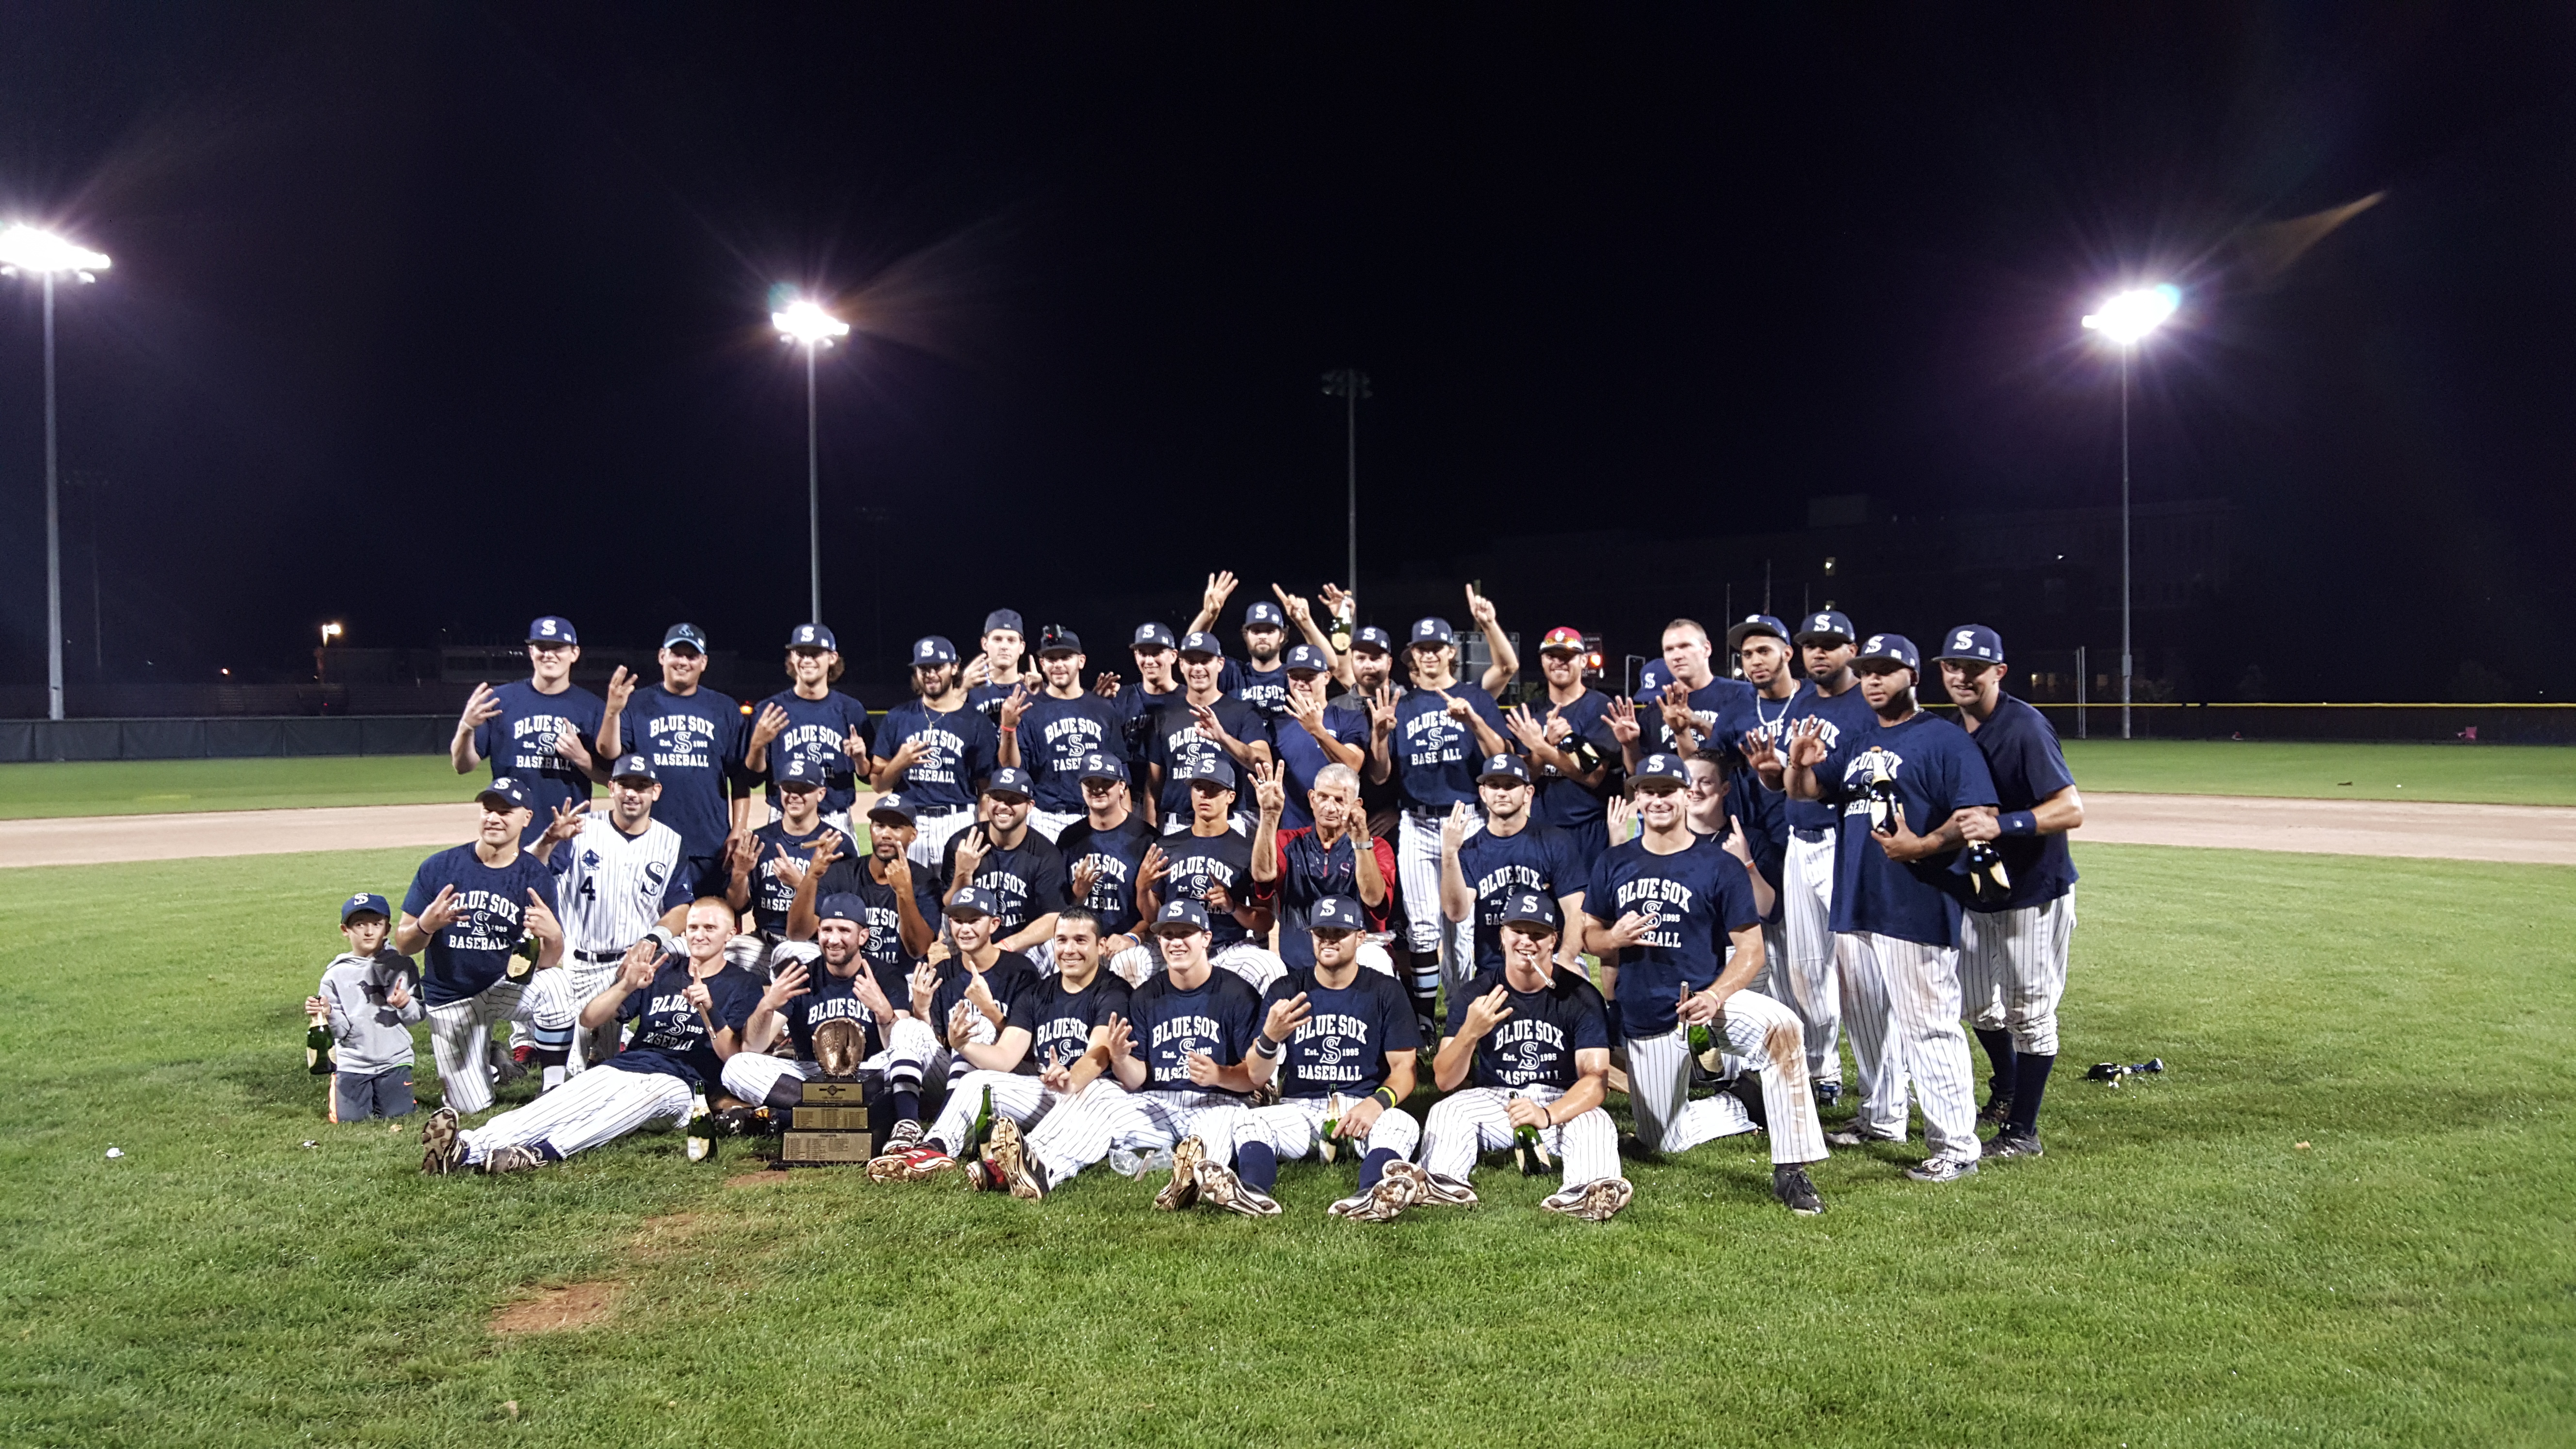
point(370, 992)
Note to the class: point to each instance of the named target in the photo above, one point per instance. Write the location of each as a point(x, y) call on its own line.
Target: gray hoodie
point(371, 1036)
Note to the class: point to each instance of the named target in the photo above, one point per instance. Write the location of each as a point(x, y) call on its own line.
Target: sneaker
point(1796, 1191)
point(1943, 1169)
point(1135, 1164)
point(1183, 1189)
point(517, 1157)
point(1828, 1093)
point(1433, 1190)
point(903, 1137)
point(926, 1162)
point(440, 1153)
point(1219, 1187)
point(1594, 1201)
point(1997, 1111)
point(2014, 1144)
point(1851, 1135)
point(1006, 1159)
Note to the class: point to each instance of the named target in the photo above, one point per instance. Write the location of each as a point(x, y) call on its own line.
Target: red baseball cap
point(1561, 637)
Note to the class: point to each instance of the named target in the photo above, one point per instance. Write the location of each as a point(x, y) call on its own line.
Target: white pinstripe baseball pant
point(1138, 964)
point(1901, 1004)
point(1767, 1037)
point(1022, 1098)
point(911, 1054)
point(2012, 970)
point(552, 1007)
point(1292, 1126)
point(460, 1039)
point(933, 832)
point(1807, 960)
point(1053, 825)
point(1417, 874)
point(1478, 1119)
point(596, 1107)
point(1080, 1132)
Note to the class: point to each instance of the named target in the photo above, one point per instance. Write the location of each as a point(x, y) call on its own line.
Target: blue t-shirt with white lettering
point(1193, 862)
point(670, 1036)
point(2026, 765)
point(885, 923)
point(520, 743)
point(836, 998)
point(1342, 1045)
point(1569, 805)
point(1725, 711)
point(1304, 756)
point(1219, 1016)
point(1843, 715)
point(474, 950)
point(1265, 690)
point(1060, 1022)
point(1696, 898)
point(1176, 744)
point(1540, 858)
point(958, 750)
point(1435, 758)
point(1054, 736)
point(1114, 856)
point(695, 742)
point(1935, 769)
point(1535, 1045)
point(818, 730)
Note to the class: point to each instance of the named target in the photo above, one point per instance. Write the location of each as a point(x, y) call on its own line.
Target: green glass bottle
point(983, 1131)
point(702, 1131)
point(317, 1044)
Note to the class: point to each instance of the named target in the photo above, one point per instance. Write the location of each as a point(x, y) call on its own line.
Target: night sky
point(431, 318)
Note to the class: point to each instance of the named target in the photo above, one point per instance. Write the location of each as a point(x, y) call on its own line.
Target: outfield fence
point(2493, 723)
point(231, 737)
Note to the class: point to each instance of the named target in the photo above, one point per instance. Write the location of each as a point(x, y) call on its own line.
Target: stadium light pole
point(24, 248)
point(1350, 385)
point(804, 323)
point(2126, 319)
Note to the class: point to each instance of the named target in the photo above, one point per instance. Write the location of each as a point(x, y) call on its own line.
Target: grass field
point(2343, 1218)
point(155, 787)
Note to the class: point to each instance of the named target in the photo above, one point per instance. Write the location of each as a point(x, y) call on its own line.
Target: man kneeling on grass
point(689, 1013)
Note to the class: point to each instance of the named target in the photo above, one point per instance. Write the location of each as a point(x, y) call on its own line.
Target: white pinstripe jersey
point(615, 886)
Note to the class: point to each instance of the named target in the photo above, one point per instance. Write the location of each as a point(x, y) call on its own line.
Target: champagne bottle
point(318, 1049)
point(1527, 1152)
point(1987, 878)
point(1328, 1147)
point(523, 958)
point(983, 1129)
point(702, 1130)
point(1341, 633)
point(1880, 794)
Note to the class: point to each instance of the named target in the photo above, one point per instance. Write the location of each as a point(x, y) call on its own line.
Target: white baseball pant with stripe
point(1024, 1099)
point(1293, 1126)
point(552, 1007)
point(911, 1054)
point(596, 1107)
point(1080, 1132)
point(1766, 1036)
point(1805, 967)
point(1138, 964)
point(1052, 825)
point(1478, 1119)
point(1417, 874)
point(2012, 970)
point(1901, 1005)
point(460, 1038)
point(933, 832)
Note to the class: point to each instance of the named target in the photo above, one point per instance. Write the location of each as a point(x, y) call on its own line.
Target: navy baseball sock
point(907, 1106)
point(2030, 1082)
point(1257, 1165)
point(1999, 1050)
point(1373, 1166)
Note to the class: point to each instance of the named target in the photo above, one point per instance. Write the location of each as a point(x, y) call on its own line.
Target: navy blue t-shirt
point(1540, 858)
point(1724, 707)
point(1342, 1045)
point(1114, 856)
point(771, 893)
point(1765, 817)
point(1699, 896)
point(1535, 1045)
point(1176, 742)
point(670, 1037)
point(885, 923)
point(2026, 766)
point(1303, 756)
point(695, 742)
point(1060, 1022)
point(986, 699)
point(1028, 878)
point(816, 730)
point(1054, 736)
point(835, 998)
point(957, 751)
point(520, 743)
point(1936, 769)
point(1136, 711)
point(1435, 758)
point(1844, 715)
point(1193, 862)
point(1570, 806)
point(492, 903)
point(1010, 977)
point(1219, 1016)
point(1265, 690)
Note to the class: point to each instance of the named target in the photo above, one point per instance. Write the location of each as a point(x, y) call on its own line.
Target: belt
point(941, 814)
point(599, 958)
point(1813, 834)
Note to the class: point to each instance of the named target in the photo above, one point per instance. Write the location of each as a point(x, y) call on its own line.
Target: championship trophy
point(829, 1123)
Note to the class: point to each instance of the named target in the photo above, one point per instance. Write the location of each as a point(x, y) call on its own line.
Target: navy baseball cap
point(841, 906)
point(1153, 636)
point(1653, 678)
point(552, 629)
point(797, 770)
point(974, 900)
point(1188, 916)
point(1211, 766)
point(1503, 766)
point(364, 901)
point(1059, 641)
point(1336, 913)
point(1434, 630)
point(890, 807)
point(1264, 614)
point(1373, 637)
point(1756, 624)
point(1007, 780)
point(633, 766)
point(932, 650)
point(1307, 656)
point(1825, 624)
point(1974, 642)
point(512, 794)
point(1103, 767)
point(813, 636)
point(1003, 619)
point(1529, 908)
point(1201, 641)
point(1660, 767)
point(1892, 648)
point(685, 634)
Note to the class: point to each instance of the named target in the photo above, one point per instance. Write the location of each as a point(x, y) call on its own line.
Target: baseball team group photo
point(1824, 727)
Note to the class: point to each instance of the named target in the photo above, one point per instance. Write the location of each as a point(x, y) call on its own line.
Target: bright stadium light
point(24, 248)
point(804, 323)
point(2126, 318)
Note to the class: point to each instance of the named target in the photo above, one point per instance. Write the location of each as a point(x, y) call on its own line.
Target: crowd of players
point(1229, 912)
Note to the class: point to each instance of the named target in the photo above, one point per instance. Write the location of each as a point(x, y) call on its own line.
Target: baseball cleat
point(517, 1157)
point(1006, 1160)
point(2014, 1144)
point(1351, 1207)
point(1392, 1195)
point(1851, 1135)
point(1942, 1169)
point(439, 1149)
point(1219, 1187)
point(1828, 1093)
point(1183, 1189)
point(926, 1162)
point(1593, 1202)
point(512, 1066)
point(1796, 1191)
point(1433, 1190)
point(1998, 1110)
point(902, 1137)
point(910, 1165)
